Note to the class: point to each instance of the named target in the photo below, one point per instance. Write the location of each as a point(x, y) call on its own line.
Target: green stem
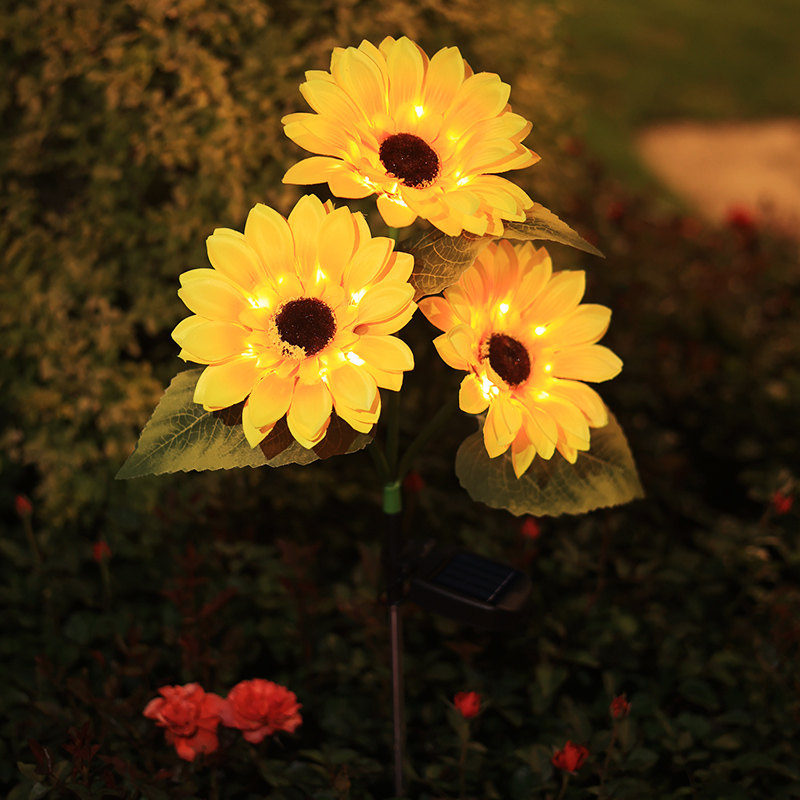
point(608, 755)
point(564, 784)
point(425, 435)
point(462, 763)
point(35, 554)
point(379, 459)
point(392, 432)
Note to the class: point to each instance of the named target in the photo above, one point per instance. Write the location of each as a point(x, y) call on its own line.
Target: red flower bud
point(782, 503)
point(530, 528)
point(468, 703)
point(100, 551)
point(571, 757)
point(23, 506)
point(620, 707)
point(413, 483)
point(189, 716)
point(261, 708)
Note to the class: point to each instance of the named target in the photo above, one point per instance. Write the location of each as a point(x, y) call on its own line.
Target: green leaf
point(603, 476)
point(181, 436)
point(440, 260)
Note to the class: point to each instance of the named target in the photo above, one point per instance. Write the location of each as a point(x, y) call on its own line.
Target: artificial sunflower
point(528, 344)
point(426, 135)
point(295, 318)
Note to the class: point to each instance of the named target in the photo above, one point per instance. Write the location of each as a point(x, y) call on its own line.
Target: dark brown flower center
point(509, 359)
point(410, 159)
point(305, 323)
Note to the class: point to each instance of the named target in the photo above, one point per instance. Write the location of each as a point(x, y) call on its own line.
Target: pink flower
point(189, 716)
point(100, 551)
point(468, 703)
point(571, 757)
point(620, 707)
point(261, 708)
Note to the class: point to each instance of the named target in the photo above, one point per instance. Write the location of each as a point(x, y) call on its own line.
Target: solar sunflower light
point(294, 324)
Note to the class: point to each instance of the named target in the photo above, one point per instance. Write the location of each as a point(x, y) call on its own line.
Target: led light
point(420, 110)
point(548, 367)
point(539, 330)
point(354, 359)
point(463, 181)
point(321, 276)
point(543, 395)
point(355, 298)
point(489, 389)
point(503, 308)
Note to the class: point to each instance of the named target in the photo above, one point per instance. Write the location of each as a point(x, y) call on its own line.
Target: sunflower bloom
point(426, 135)
point(294, 319)
point(528, 344)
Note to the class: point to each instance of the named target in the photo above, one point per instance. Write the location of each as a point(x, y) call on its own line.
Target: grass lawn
point(638, 63)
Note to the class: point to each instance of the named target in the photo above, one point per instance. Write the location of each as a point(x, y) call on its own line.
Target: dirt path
point(721, 168)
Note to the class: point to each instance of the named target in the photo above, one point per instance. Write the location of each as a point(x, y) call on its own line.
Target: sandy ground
point(722, 168)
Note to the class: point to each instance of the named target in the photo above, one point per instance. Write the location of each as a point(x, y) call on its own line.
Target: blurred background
point(129, 130)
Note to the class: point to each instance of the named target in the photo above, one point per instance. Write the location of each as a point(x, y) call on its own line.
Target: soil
point(730, 169)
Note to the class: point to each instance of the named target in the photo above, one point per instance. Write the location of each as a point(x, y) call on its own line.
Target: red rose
point(190, 717)
point(260, 708)
point(620, 707)
point(571, 758)
point(468, 703)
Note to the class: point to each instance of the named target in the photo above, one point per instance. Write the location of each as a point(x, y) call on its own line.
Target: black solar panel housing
point(475, 577)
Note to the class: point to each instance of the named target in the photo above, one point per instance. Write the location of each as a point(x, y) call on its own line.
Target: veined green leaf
point(440, 260)
point(603, 476)
point(181, 436)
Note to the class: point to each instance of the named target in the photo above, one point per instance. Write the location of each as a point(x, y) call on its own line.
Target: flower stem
point(607, 761)
point(392, 432)
point(34, 547)
point(564, 784)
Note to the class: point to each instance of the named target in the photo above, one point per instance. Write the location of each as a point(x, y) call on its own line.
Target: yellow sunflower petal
point(522, 453)
point(395, 213)
point(406, 72)
point(212, 341)
point(568, 417)
point(503, 421)
point(213, 298)
point(471, 397)
point(386, 352)
point(352, 386)
point(383, 302)
point(253, 434)
point(444, 79)
point(330, 100)
point(390, 325)
point(593, 362)
point(337, 240)
point(366, 264)
point(309, 413)
point(231, 255)
point(480, 97)
point(585, 325)
point(317, 169)
point(268, 233)
point(224, 385)
point(362, 80)
point(585, 398)
point(270, 399)
point(305, 221)
point(561, 295)
point(438, 312)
